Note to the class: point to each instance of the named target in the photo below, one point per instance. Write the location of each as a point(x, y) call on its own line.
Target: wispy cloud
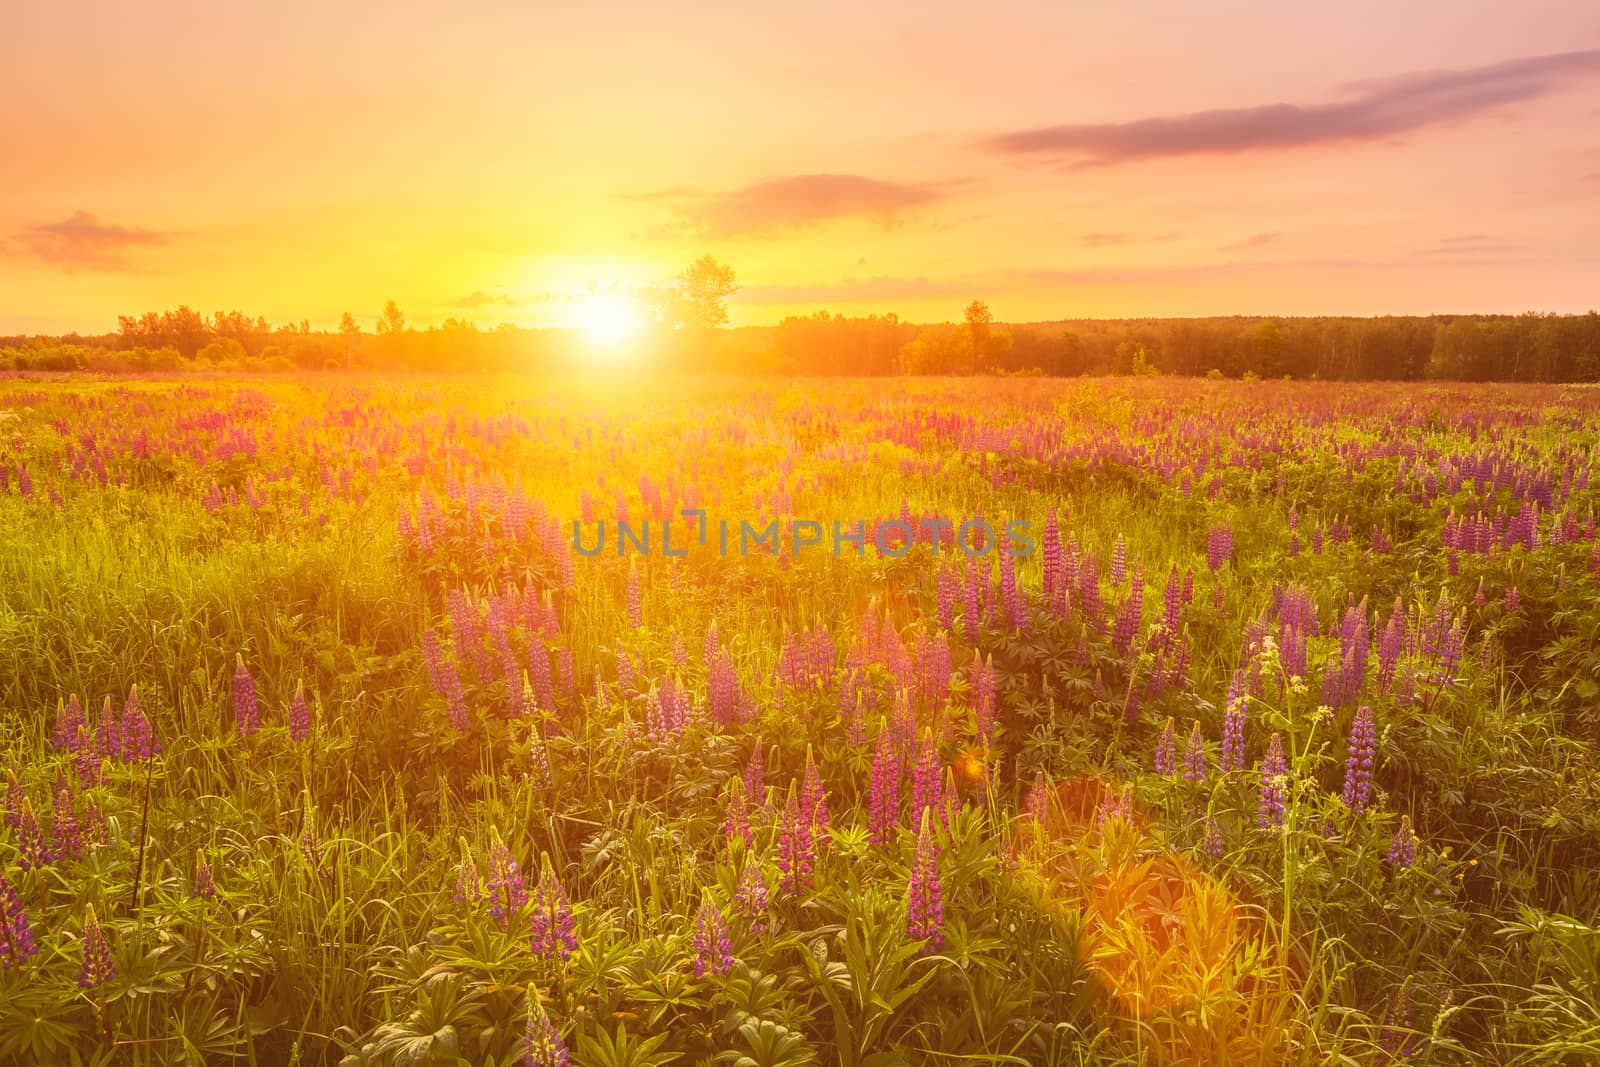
point(83, 242)
point(1258, 240)
point(851, 290)
point(788, 203)
point(481, 299)
point(1374, 110)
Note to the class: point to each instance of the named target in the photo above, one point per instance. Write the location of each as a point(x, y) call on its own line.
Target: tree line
point(687, 332)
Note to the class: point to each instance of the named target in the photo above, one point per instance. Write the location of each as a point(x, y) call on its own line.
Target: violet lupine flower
point(455, 700)
point(1213, 844)
point(1403, 847)
point(1036, 804)
point(107, 740)
point(1358, 763)
point(137, 737)
point(813, 797)
point(33, 851)
point(982, 682)
point(245, 713)
point(299, 714)
point(925, 784)
point(66, 838)
point(1219, 546)
point(1233, 723)
point(972, 606)
point(635, 599)
point(553, 935)
point(737, 825)
point(16, 934)
point(1194, 756)
point(1395, 1040)
point(95, 830)
point(884, 789)
point(97, 966)
point(924, 907)
point(1119, 561)
point(713, 951)
point(755, 776)
point(541, 1042)
point(1274, 773)
point(1513, 599)
point(1166, 761)
point(797, 850)
point(505, 888)
point(750, 900)
point(469, 884)
point(69, 718)
point(204, 886)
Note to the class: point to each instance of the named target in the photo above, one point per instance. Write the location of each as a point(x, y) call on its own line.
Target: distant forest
point(1530, 347)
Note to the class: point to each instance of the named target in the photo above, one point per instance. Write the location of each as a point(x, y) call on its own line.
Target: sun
point(607, 318)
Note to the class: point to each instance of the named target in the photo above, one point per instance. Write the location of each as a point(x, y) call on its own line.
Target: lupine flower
point(1358, 762)
point(33, 851)
point(737, 824)
point(16, 798)
point(1219, 545)
point(95, 830)
point(66, 840)
point(635, 599)
point(1403, 847)
point(1213, 843)
point(469, 884)
point(541, 1042)
point(86, 760)
point(1233, 723)
point(713, 951)
point(924, 908)
point(108, 738)
point(883, 805)
point(69, 718)
point(750, 901)
point(1274, 772)
point(138, 737)
point(1166, 761)
point(245, 713)
point(505, 888)
point(797, 850)
point(813, 797)
point(1036, 805)
point(16, 935)
point(553, 935)
point(983, 695)
point(204, 887)
point(299, 714)
point(97, 966)
point(925, 783)
point(1194, 756)
point(1396, 1037)
point(755, 776)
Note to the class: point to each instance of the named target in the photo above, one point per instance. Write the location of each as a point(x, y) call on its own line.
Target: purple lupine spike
point(1513, 600)
point(1214, 846)
point(541, 1041)
point(69, 718)
point(1403, 846)
point(924, 903)
point(107, 739)
point(1358, 762)
point(1119, 560)
point(750, 900)
point(884, 788)
point(553, 934)
point(246, 716)
point(1219, 546)
point(814, 797)
point(1166, 761)
point(95, 830)
point(137, 736)
point(16, 933)
point(1274, 775)
point(505, 888)
point(299, 714)
point(635, 598)
point(97, 967)
point(982, 685)
point(1194, 755)
point(713, 951)
point(66, 840)
point(1395, 1040)
point(737, 825)
point(925, 783)
point(1233, 725)
point(33, 850)
point(797, 853)
point(204, 886)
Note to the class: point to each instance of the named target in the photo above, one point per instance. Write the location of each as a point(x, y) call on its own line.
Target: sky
point(1075, 158)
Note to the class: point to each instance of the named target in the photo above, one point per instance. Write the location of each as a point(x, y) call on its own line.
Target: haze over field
point(1061, 159)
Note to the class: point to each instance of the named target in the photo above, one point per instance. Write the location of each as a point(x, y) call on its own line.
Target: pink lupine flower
point(750, 901)
point(737, 825)
point(1358, 762)
point(97, 967)
point(883, 808)
point(505, 888)
point(33, 850)
point(66, 838)
point(246, 716)
point(924, 906)
point(1194, 756)
point(1274, 774)
point(814, 797)
point(16, 933)
point(797, 849)
point(299, 714)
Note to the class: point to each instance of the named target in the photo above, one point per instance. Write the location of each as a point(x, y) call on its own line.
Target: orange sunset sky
point(1071, 158)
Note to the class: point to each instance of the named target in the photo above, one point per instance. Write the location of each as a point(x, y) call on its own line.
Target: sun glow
point(608, 319)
